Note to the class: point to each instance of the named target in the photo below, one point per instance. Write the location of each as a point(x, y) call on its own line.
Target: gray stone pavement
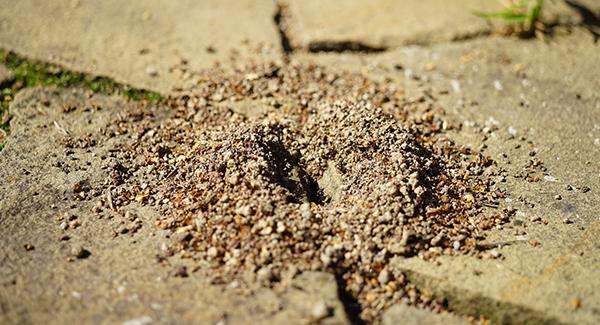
point(141, 43)
point(545, 92)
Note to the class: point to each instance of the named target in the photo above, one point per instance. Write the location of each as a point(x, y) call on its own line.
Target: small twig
point(474, 227)
point(171, 173)
point(110, 201)
point(60, 128)
point(490, 204)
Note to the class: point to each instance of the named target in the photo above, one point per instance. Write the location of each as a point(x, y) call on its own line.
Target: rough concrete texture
point(5, 74)
point(545, 92)
point(141, 43)
point(45, 276)
point(408, 315)
point(339, 24)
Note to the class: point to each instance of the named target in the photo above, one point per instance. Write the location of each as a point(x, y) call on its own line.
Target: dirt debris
point(284, 168)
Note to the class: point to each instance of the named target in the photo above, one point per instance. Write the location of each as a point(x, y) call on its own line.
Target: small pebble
point(320, 310)
point(181, 272)
point(245, 210)
point(306, 211)
point(80, 252)
point(212, 252)
point(384, 277)
point(498, 85)
point(151, 71)
point(264, 275)
point(456, 245)
point(144, 320)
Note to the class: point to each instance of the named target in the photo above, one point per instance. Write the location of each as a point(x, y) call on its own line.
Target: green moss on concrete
point(28, 73)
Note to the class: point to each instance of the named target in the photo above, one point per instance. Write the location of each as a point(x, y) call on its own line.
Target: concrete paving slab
point(518, 101)
point(142, 43)
point(339, 24)
point(409, 315)
point(545, 93)
point(118, 279)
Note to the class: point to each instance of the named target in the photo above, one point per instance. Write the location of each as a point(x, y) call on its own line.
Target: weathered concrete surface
point(5, 74)
point(335, 24)
point(141, 43)
point(409, 315)
point(121, 280)
point(547, 93)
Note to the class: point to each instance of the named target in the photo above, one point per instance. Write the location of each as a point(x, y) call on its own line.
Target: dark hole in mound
point(291, 175)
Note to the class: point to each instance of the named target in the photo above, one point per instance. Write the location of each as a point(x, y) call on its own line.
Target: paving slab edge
point(466, 302)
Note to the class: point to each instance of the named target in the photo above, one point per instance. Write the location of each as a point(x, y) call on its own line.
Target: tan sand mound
point(315, 171)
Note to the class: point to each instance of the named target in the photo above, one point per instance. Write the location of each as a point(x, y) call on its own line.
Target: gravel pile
point(277, 169)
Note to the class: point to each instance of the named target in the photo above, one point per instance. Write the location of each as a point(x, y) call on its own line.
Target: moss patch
point(28, 73)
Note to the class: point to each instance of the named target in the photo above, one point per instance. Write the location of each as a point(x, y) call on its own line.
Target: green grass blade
point(506, 15)
point(533, 13)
